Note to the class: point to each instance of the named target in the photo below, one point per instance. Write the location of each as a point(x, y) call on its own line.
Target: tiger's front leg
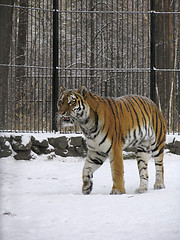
point(93, 161)
point(117, 169)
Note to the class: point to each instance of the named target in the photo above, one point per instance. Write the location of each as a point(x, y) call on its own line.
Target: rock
point(23, 155)
point(36, 149)
point(71, 152)
point(174, 147)
point(60, 142)
point(76, 151)
point(130, 149)
point(5, 150)
point(45, 150)
point(129, 155)
point(16, 138)
point(41, 150)
point(17, 146)
point(76, 141)
point(2, 139)
point(177, 144)
point(61, 152)
point(43, 143)
point(81, 151)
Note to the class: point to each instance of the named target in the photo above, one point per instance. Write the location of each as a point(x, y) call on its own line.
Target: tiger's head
point(72, 104)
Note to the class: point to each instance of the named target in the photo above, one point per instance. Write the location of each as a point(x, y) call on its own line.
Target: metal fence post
point(55, 65)
point(152, 74)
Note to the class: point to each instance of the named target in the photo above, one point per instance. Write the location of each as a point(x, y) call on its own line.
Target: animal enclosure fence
point(112, 47)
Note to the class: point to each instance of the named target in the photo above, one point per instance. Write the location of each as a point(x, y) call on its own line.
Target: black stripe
point(81, 100)
point(103, 140)
point(95, 128)
point(156, 124)
point(140, 110)
point(117, 114)
point(159, 164)
point(129, 110)
point(140, 160)
point(92, 96)
point(99, 98)
point(161, 151)
point(141, 149)
point(110, 146)
point(120, 106)
point(134, 141)
point(109, 101)
point(160, 134)
point(104, 100)
point(87, 120)
point(153, 121)
point(89, 146)
point(97, 161)
point(136, 115)
point(96, 134)
point(125, 104)
point(147, 101)
point(143, 102)
point(82, 103)
point(157, 146)
point(143, 168)
point(101, 154)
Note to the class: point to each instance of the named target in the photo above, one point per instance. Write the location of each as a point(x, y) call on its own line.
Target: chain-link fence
point(112, 47)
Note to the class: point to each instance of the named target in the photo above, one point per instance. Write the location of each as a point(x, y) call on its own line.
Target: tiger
point(110, 125)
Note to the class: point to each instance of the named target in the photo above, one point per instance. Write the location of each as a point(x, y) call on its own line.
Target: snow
point(26, 139)
point(41, 199)
point(172, 137)
point(38, 136)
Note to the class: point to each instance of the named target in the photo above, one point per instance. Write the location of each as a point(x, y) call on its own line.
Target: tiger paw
point(159, 186)
point(87, 187)
point(141, 190)
point(117, 192)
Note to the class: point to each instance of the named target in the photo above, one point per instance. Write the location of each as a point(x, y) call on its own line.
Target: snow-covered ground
point(41, 200)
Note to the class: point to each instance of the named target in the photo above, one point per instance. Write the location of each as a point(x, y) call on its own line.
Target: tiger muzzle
point(66, 119)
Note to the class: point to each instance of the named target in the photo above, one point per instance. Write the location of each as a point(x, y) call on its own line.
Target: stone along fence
point(23, 147)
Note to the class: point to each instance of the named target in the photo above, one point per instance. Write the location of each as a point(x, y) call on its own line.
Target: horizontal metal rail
point(88, 11)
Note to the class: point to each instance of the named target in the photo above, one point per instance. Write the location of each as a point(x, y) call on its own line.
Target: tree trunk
point(6, 14)
point(164, 52)
point(92, 44)
point(20, 56)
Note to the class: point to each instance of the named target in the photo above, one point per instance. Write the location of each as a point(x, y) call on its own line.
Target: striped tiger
point(112, 124)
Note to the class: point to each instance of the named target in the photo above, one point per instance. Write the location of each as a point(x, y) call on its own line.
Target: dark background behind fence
point(112, 47)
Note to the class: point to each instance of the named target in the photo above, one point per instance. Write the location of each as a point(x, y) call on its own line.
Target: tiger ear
point(62, 89)
point(83, 91)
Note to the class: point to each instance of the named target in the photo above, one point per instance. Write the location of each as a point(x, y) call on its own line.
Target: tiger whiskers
point(58, 118)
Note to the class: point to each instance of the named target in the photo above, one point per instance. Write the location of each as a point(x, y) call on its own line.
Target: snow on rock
point(25, 146)
point(172, 137)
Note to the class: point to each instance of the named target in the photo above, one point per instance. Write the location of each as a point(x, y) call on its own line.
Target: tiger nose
point(62, 112)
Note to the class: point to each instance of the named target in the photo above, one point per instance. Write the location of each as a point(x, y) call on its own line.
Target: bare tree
point(20, 52)
point(164, 52)
point(5, 40)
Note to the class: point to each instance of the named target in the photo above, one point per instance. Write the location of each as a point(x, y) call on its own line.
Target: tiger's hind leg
point(159, 182)
point(142, 162)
